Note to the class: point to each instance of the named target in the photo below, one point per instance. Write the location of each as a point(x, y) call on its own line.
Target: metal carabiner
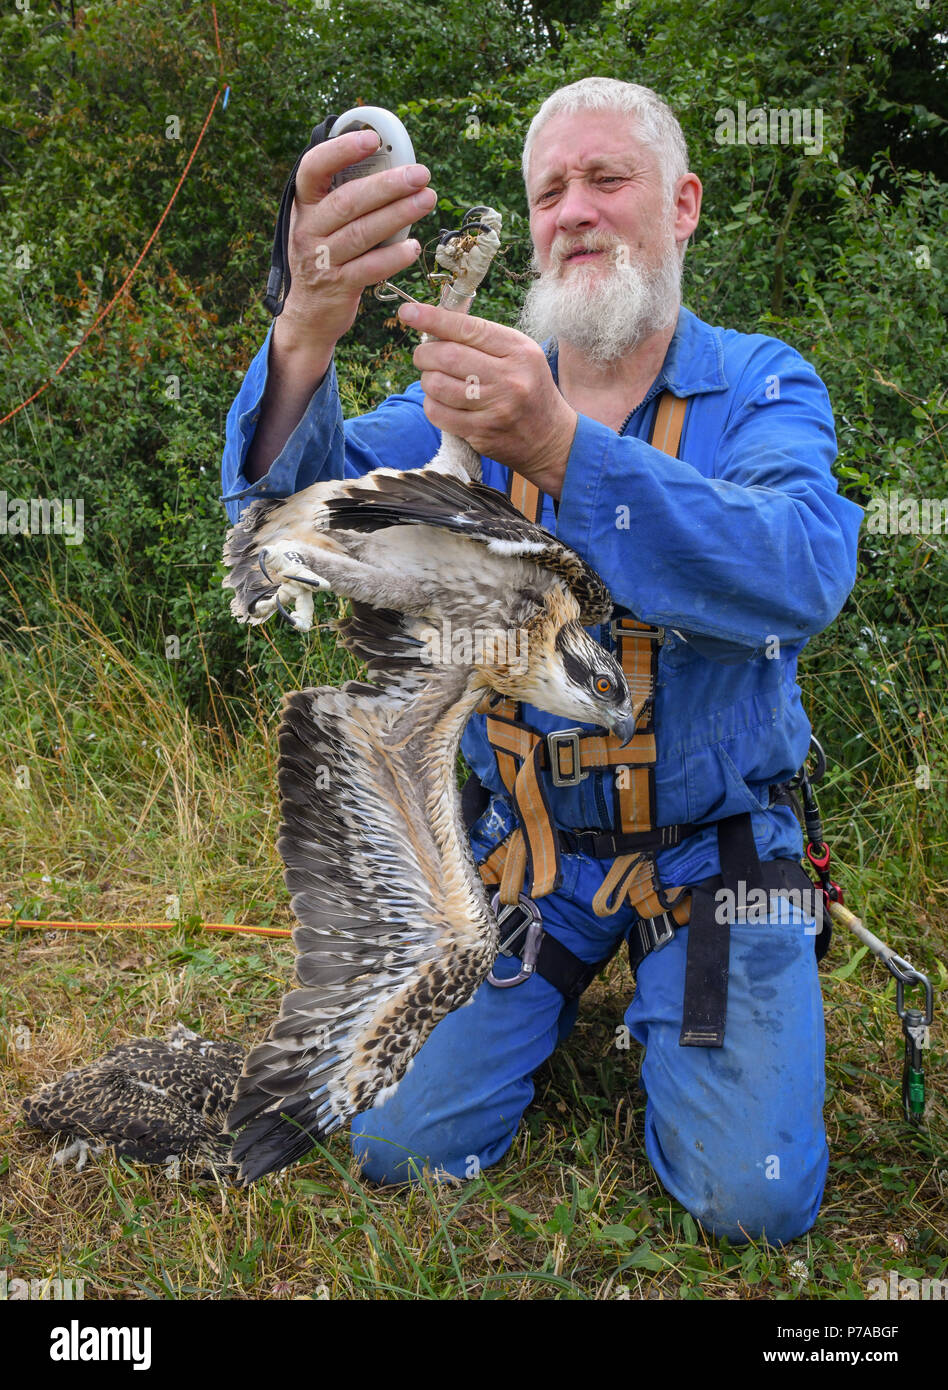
point(385, 290)
point(906, 974)
point(530, 927)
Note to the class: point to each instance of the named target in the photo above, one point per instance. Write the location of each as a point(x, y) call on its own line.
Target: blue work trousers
point(734, 1133)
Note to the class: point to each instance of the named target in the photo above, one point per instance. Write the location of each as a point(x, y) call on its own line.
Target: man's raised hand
point(333, 232)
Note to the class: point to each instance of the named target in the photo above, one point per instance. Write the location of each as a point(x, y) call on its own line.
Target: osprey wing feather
point(395, 931)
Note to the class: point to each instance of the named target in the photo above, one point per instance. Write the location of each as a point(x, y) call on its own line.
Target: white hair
point(657, 124)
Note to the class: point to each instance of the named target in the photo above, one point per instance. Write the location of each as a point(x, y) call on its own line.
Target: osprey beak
point(624, 729)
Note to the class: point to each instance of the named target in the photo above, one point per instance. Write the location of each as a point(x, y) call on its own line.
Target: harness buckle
point(530, 927)
point(654, 936)
point(554, 742)
point(651, 634)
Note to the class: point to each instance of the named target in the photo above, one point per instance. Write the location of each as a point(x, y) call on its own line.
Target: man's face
point(604, 237)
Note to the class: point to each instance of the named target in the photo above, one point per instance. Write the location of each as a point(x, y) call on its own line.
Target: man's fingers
point(355, 197)
point(318, 165)
point(361, 234)
point(456, 393)
point(492, 338)
point(458, 360)
point(352, 219)
point(360, 197)
point(382, 263)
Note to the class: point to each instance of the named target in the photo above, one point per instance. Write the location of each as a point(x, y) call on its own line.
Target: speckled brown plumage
point(395, 930)
point(151, 1100)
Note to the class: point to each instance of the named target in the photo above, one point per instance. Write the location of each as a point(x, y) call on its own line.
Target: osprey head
point(563, 671)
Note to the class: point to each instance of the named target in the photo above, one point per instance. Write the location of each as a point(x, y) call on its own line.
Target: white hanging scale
point(396, 148)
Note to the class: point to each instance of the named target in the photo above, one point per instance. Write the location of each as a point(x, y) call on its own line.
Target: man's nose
point(577, 208)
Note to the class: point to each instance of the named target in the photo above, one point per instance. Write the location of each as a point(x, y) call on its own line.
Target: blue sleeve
point(764, 547)
point(397, 434)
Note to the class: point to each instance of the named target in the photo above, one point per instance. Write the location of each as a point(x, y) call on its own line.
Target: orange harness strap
point(522, 752)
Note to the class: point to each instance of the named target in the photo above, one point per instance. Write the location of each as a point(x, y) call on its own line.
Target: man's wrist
point(295, 371)
point(548, 469)
point(297, 353)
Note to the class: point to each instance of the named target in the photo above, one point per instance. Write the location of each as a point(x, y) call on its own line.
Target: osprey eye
point(604, 685)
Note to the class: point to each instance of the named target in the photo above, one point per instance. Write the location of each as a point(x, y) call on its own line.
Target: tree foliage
point(839, 252)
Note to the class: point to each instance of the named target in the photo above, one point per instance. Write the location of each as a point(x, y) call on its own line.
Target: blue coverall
point(742, 549)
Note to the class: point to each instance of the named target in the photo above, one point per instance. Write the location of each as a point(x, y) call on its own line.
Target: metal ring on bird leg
point(530, 927)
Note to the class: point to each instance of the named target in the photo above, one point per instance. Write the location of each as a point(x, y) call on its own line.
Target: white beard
point(604, 312)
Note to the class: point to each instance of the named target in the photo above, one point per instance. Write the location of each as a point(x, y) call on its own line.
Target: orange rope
point(140, 926)
point(124, 285)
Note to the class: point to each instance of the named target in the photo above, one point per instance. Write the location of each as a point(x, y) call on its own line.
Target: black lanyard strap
point(278, 282)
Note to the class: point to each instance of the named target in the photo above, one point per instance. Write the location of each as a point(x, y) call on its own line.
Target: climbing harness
point(529, 856)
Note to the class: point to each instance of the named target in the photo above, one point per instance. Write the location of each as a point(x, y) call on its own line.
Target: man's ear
point(688, 193)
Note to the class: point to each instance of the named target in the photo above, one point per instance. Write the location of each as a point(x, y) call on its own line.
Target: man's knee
point(458, 1108)
point(775, 1209)
point(736, 1133)
point(749, 1188)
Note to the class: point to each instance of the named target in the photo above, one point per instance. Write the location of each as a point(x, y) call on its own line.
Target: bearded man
point(726, 549)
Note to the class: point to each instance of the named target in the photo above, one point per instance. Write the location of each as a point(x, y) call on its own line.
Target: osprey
point(455, 597)
point(152, 1100)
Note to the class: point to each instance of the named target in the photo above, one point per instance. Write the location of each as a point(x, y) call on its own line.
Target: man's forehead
point(585, 139)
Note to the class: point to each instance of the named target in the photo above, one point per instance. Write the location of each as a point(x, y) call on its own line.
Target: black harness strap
point(704, 1009)
point(564, 970)
point(604, 844)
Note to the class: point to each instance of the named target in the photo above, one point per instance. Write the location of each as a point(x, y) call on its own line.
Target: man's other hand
point(493, 386)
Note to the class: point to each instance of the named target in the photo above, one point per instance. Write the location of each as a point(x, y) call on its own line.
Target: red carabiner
point(832, 893)
point(821, 860)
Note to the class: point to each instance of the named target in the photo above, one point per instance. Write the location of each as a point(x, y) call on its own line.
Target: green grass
point(131, 804)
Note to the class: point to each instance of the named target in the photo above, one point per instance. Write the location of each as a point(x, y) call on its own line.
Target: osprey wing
point(426, 497)
point(323, 537)
point(395, 931)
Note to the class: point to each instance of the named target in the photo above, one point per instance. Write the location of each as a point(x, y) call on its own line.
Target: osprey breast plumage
point(395, 929)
